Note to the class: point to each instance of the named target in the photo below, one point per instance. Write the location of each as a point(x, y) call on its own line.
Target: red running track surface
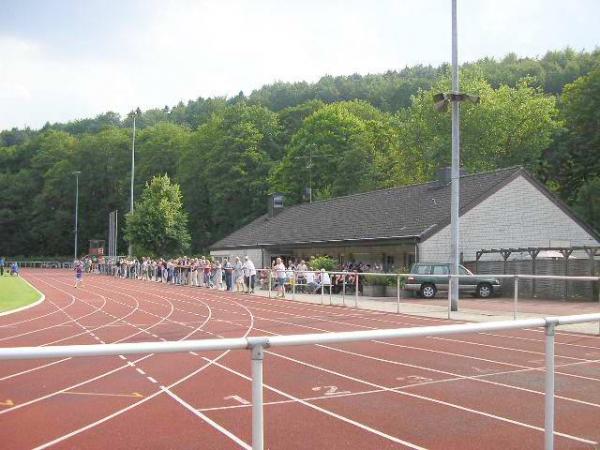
point(464, 391)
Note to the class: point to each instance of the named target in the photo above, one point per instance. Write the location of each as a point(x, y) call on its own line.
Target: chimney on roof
point(444, 175)
point(275, 204)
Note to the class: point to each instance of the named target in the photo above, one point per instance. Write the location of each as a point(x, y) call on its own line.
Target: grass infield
point(15, 293)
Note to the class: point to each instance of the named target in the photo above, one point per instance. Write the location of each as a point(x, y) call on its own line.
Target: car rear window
point(440, 270)
point(421, 270)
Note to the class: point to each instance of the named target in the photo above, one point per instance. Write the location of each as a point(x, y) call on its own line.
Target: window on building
point(389, 263)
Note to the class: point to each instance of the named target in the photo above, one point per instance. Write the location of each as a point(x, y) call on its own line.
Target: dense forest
point(342, 135)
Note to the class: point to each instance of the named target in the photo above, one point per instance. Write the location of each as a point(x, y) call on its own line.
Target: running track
point(471, 391)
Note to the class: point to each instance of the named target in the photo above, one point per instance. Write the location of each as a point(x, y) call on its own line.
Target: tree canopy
point(341, 134)
point(158, 224)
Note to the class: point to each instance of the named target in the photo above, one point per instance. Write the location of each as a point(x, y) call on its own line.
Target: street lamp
point(135, 113)
point(309, 166)
point(76, 173)
point(441, 102)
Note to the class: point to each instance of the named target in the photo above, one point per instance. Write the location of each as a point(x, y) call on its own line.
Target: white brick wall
point(518, 215)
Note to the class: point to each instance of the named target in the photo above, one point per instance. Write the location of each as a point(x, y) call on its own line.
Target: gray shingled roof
point(401, 212)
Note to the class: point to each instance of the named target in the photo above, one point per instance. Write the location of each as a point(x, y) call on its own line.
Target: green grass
point(15, 293)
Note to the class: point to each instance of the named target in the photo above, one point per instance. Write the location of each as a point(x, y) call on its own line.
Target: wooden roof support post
point(505, 255)
point(533, 252)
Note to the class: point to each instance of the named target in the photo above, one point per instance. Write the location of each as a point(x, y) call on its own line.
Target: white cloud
point(179, 50)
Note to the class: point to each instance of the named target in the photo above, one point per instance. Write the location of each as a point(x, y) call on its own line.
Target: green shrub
point(322, 262)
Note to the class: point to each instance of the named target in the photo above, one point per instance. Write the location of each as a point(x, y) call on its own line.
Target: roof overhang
point(329, 242)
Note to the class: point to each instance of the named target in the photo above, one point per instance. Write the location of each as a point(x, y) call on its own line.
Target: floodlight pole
point(454, 207)
point(130, 248)
point(76, 173)
point(310, 175)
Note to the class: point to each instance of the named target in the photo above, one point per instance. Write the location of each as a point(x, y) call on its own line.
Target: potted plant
point(391, 286)
point(374, 286)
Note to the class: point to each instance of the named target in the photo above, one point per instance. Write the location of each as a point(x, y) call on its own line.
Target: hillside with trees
point(340, 135)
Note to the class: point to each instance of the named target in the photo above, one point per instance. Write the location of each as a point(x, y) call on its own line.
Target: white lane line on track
point(181, 380)
point(499, 347)
point(417, 348)
point(429, 399)
point(208, 420)
point(63, 310)
point(374, 317)
point(475, 411)
point(476, 378)
point(457, 376)
point(140, 371)
point(57, 310)
point(152, 380)
point(360, 425)
point(306, 399)
point(92, 379)
point(33, 369)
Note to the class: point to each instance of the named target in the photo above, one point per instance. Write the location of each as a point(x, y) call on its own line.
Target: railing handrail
point(405, 275)
point(62, 351)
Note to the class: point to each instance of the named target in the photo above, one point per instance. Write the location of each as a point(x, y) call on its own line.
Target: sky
point(64, 60)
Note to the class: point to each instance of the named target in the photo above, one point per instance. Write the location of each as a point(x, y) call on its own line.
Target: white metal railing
point(357, 283)
point(40, 264)
point(257, 345)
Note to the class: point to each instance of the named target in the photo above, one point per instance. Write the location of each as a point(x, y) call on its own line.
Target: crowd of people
point(240, 275)
point(226, 275)
point(13, 268)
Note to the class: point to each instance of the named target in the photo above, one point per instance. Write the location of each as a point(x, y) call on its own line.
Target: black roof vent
point(275, 205)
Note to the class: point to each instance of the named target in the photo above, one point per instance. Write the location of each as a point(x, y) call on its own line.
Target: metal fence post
point(516, 297)
point(294, 285)
point(549, 392)
point(257, 398)
point(269, 276)
point(322, 287)
point(398, 295)
point(330, 287)
point(344, 289)
point(449, 295)
point(356, 292)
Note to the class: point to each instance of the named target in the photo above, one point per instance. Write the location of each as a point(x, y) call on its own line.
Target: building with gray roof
point(397, 226)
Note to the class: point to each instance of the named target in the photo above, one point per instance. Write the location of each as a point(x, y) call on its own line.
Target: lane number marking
point(238, 399)
point(330, 390)
point(414, 379)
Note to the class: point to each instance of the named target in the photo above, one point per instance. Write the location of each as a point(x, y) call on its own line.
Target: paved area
point(470, 309)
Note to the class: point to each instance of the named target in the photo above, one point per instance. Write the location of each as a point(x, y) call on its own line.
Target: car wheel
point(484, 290)
point(428, 291)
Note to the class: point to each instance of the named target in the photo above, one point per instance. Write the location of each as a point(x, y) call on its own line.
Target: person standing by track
point(280, 274)
point(228, 268)
point(249, 275)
